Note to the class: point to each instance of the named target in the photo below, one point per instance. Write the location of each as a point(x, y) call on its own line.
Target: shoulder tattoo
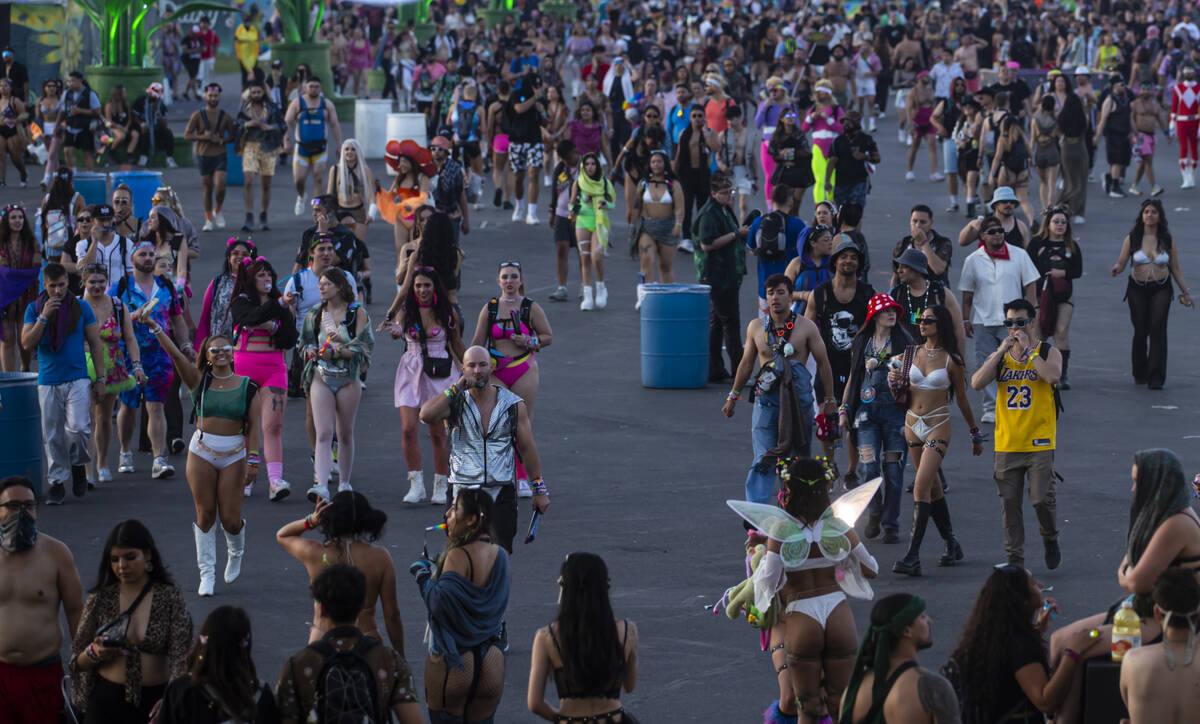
point(937, 697)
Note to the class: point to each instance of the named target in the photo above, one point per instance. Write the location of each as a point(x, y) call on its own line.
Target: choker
point(215, 376)
point(511, 301)
point(424, 306)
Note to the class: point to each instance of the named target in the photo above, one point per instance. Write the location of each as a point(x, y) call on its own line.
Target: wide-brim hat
point(880, 302)
point(914, 259)
point(420, 156)
point(1004, 193)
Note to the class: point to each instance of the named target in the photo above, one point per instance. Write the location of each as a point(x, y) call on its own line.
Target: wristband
point(843, 408)
point(43, 320)
point(829, 401)
point(1073, 654)
point(733, 395)
point(538, 487)
point(90, 652)
point(308, 522)
point(451, 391)
point(156, 330)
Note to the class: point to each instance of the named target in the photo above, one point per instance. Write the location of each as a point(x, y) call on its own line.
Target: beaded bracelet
point(538, 487)
point(308, 524)
point(843, 408)
point(451, 391)
point(976, 435)
point(734, 395)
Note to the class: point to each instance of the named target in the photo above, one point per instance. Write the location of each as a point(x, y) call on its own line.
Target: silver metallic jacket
point(480, 456)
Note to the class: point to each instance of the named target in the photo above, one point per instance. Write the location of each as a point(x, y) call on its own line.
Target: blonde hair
point(348, 180)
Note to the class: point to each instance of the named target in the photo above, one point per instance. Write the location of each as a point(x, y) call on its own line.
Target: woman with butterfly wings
point(814, 558)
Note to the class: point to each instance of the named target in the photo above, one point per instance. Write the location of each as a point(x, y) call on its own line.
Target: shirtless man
point(768, 342)
point(37, 577)
point(735, 159)
point(913, 695)
point(840, 72)
point(1147, 115)
point(967, 56)
point(1158, 681)
point(910, 47)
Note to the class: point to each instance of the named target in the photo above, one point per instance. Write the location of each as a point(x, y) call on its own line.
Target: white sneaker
point(279, 489)
point(344, 487)
point(208, 225)
point(104, 475)
point(900, 135)
point(910, 176)
point(518, 211)
point(601, 295)
point(587, 304)
point(641, 294)
point(686, 246)
point(171, 162)
point(318, 492)
point(523, 489)
point(531, 218)
point(1077, 220)
point(988, 416)
point(1134, 190)
point(246, 491)
point(298, 209)
point(936, 176)
point(219, 220)
point(125, 463)
point(162, 469)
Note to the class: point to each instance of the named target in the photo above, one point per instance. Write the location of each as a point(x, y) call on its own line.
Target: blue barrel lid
point(676, 288)
point(17, 379)
point(135, 174)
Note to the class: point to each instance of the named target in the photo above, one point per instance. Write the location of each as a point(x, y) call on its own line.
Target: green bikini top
point(228, 404)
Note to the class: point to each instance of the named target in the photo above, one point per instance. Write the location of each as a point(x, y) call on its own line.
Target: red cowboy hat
point(421, 157)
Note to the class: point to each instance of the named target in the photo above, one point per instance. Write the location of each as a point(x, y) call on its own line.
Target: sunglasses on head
point(1018, 323)
point(514, 264)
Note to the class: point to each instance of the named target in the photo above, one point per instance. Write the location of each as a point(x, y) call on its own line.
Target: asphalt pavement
point(640, 475)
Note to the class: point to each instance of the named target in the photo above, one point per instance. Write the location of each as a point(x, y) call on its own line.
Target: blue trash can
point(675, 336)
point(233, 167)
point(21, 427)
point(93, 187)
point(142, 184)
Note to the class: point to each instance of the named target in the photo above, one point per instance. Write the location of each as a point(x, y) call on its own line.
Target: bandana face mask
point(18, 532)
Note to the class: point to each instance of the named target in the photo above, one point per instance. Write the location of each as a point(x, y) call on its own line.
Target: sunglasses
point(121, 202)
point(1018, 323)
point(927, 320)
point(219, 349)
point(15, 506)
point(514, 264)
point(83, 219)
point(990, 232)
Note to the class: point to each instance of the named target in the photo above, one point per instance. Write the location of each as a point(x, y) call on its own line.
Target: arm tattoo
point(937, 697)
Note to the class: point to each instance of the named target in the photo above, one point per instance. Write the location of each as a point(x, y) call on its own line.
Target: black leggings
point(1149, 305)
point(107, 705)
point(695, 185)
point(724, 325)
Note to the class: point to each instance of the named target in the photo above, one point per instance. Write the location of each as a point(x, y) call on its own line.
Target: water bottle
point(1126, 631)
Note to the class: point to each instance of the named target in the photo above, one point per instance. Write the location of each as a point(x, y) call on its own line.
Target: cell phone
point(533, 526)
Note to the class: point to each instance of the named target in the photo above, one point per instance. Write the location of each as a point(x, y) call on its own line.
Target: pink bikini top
point(502, 331)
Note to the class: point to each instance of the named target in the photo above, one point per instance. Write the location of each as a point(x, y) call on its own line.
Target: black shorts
point(84, 141)
point(968, 161)
point(211, 164)
point(564, 231)
point(311, 149)
point(1118, 149)
point(470, 150)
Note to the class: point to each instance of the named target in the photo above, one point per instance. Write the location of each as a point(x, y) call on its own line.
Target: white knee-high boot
point(206, 558)
point(235, 548)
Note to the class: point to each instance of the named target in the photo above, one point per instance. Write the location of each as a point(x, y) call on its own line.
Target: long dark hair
point(437, 247)
point(24, 236)
point(245, 279)
point(442, 310)
point(229, 246)
point(62, 191)
point(1072, 120)
point(1002, 617)
point(1161, 491)
point(1139, 228)
point(1044, 228)
point(220, 662)
point(350, 515)
point(900, 339)
point(946, 335)
point(131, 534)
point(591, 650)
point(808, 489)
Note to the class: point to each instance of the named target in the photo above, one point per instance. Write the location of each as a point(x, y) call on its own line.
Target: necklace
point(216, 376)
point(929, 352)
point(510, 301)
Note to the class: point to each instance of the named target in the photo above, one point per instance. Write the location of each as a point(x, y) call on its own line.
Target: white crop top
point(1139, 257)
point(648, 199)
point(938, 379)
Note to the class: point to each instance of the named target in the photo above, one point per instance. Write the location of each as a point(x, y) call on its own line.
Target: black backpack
point(346, 692)
point(772, 237)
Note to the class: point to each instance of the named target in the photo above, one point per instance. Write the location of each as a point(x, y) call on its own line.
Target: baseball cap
point(442, 142)
point(102, 211)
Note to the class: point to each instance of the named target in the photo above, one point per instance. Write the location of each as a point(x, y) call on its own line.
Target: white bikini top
point(1139, 257)
point(939, 379)
point(648, 199)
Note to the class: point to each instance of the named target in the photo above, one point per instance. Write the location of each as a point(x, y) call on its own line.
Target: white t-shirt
point(995, 282)
point(110, 255)
point(310, 294)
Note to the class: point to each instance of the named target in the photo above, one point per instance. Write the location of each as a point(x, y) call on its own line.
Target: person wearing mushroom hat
point(867, 407)
point(1185, 121)
point(839, 308)
point(150, 112)
point(410, 189)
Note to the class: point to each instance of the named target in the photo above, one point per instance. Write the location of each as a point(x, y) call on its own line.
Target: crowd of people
point(709, 129)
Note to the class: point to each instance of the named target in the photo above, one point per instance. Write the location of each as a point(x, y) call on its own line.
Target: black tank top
point(1013, 235)
point(839, 323)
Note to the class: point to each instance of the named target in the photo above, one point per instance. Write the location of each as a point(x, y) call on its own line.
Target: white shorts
point(220, 451)
point(865, 88)
point(741, 180)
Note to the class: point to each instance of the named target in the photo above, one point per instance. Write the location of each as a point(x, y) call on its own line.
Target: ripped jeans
point(764, 433)
point(880, 426)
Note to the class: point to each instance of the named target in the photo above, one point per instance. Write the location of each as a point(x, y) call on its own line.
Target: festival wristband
point(451, 391)
point(733, 395)
point(90, 652)
point(829, 401)
point(308, 524)
point(843, 408)
point(1073, 654)
point(44, 321)
point(538, 487)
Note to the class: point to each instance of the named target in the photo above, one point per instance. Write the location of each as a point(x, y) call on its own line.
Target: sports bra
point(648, 199)
point(1139, 257)
point(939, 379)
point(224, 404)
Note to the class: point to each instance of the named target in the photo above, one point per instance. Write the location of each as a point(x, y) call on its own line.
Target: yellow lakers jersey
point(1025, 409)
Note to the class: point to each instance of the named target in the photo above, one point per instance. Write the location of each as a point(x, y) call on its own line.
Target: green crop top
point(228, 404)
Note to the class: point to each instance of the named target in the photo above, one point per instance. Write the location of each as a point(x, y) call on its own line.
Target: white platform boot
point(206, 558)
point(439, 490)
point(235, 549)
point(416, 487)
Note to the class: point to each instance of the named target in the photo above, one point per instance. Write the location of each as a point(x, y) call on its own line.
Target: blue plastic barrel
point(675, 336)
point(233, 167)
point(21, 427)
point(142, 184)
point(93, 187)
